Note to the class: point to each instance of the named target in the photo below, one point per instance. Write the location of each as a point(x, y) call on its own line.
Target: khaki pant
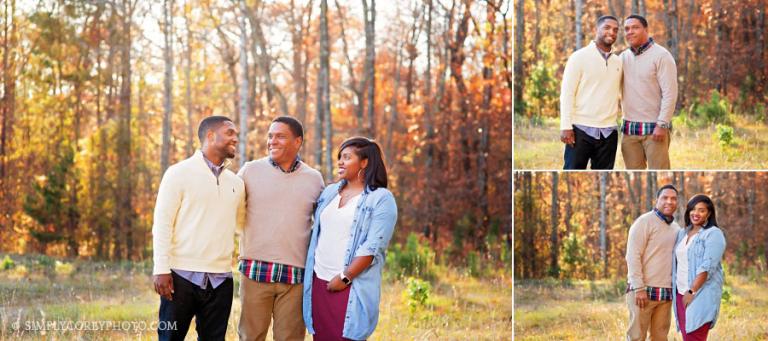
point(656, 317)
point(639, 149)
point(262, 301)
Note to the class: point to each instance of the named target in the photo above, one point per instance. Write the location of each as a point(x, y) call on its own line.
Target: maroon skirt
point(328, 310)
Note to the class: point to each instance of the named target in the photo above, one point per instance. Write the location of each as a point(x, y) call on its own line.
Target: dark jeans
point(601, 152)
point(209, 306)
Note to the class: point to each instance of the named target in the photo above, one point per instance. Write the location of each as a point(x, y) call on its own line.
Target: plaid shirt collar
point(666, 219)
point(294, 166)
point(638, 51)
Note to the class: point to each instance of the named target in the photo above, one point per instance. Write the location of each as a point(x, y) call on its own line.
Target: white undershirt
point(334, 236)
point(681, 252)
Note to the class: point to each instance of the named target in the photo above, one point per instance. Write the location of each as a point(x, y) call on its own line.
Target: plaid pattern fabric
point(294, 165)
point(666, 219)
point(638, 51)
point(656, 294)
point(267, 272)
point(637, 128)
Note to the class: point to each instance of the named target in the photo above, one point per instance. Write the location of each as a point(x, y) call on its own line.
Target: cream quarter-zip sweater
point(195, 218)
point(589, 93)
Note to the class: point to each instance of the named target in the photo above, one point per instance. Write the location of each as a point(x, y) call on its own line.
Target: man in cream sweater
point(199, 205)
point(589, 101)
point(649, 266)
point(281, 195)
point(648, 100)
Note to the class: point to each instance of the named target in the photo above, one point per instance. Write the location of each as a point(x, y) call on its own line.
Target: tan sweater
point(195, 218)
point(650, 85)
point(279, 208)
point(589, 93)
point(649, 252)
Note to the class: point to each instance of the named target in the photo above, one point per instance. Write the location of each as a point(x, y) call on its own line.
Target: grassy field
point(582, 310)
point(37, 289)
point(539, 146)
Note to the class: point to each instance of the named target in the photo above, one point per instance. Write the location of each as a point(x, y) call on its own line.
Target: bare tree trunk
point(519, 70)
point(370, 63)
point(353, 84)
point(168, 89)
point(190, 147)
point(124, 192)
point(299, 73)
point(244, 101)
point(579, 6)
point(554, 244)
point(457, 62)
point(413, 52)
point(264, 61)
point(323, 96)
point(603, 224)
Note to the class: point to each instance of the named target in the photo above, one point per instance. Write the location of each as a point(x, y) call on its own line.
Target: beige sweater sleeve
point(638, 238)
point(571, 79)
point(666, 75)
point(167, 206)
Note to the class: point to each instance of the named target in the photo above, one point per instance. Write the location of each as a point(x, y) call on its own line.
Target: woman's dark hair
point(367, 149)
point(711, 221)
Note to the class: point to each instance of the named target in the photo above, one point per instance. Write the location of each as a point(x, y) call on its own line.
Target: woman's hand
point(687, 299)
point(335, 284)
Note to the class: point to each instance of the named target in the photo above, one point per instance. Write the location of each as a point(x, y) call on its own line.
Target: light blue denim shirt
point(705, 254)
point(372, 228)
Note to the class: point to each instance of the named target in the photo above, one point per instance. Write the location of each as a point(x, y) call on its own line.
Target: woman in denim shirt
point(697, 272)
point(353, 223)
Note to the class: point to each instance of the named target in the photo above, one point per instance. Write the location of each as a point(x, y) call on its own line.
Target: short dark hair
point(639, 18)
point(667, 186)
point(606, 17)
point(711, 221)
point(208, 123)
point(367, 149)
point(296, 128)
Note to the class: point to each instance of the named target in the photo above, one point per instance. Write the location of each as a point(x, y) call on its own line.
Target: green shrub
point(8, 263)
point(416, 258)
point(714, 111)
point(724, 135)
point(416, 293)
point(64, 268)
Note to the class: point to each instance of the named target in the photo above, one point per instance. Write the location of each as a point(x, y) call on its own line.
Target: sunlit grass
point(539, 146)
point(552, 311)
point(459, 307)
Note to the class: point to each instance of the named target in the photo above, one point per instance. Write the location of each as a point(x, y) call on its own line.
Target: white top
point(336, 224)
point(681, 252)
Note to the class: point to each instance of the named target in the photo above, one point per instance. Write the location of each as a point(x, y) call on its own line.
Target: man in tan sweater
point(281, 192)
point(649, 266)
point(648, 98)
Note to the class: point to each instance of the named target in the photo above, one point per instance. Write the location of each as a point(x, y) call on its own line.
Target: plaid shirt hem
point(267, 272)
point(656, 294)
point(637, 128)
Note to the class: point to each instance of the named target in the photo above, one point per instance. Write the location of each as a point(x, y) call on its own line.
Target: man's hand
point(336, 284)
point(641, 298)
point(567, 137)
point(659, 134)
point(164, 285)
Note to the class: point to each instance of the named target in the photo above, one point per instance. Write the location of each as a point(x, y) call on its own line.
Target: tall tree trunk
point(554, 244)
point(190, 147)
point(519, 69)
point(603, 224)
point(244, 101)
point(457, 62)
point(357, 89)
point(578, 7)
point(299, 71)
point(263, 59)
point(124, 193)
point(370, 63)
point(323, 98)
point(168, 89)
